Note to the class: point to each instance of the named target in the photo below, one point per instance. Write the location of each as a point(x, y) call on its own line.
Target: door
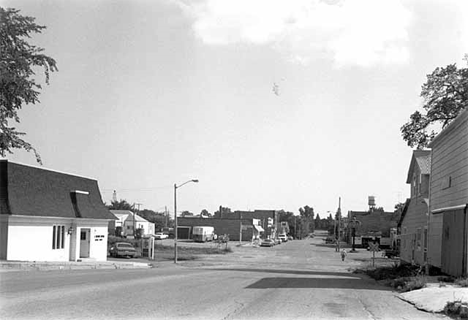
point(84, 243)
point(454, 243)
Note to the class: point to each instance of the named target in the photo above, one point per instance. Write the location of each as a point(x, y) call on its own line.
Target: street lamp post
point(353, 224)
point(175, 215)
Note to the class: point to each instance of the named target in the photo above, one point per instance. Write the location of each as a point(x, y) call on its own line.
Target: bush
point(447, 279)
point(457, 309)
point(393, 272)
point(409, 284)
point(403, 277)
point(462, 282)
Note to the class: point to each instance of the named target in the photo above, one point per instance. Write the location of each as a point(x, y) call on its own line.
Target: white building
point(126, 220)
point(47, 215)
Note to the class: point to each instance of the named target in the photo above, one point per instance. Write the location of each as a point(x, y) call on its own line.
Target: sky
point(269, 104)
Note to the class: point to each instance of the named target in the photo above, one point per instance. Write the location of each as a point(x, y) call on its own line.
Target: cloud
point(350, 32)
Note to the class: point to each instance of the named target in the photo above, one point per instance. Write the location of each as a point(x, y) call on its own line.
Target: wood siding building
point(413, 223)
point(449, 198)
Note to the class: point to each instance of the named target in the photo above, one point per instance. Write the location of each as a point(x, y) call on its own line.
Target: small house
point(46, 215)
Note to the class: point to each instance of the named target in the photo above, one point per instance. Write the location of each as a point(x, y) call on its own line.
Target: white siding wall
point(32, 240)
point(98, 243)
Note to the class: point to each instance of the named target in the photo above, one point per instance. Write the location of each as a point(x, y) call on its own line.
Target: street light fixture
point(175, 215)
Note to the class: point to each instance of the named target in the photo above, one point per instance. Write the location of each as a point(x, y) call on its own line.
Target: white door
point(84, 243)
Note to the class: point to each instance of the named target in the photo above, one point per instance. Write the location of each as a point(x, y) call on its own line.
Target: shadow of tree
point(315, 279)
point(289, 271)
point(354, 283)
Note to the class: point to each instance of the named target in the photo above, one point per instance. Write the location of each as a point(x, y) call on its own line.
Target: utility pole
point(134, 219)
point(166, 215)
point(339, 222)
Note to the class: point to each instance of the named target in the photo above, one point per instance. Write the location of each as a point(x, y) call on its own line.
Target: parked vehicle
point(202, 234)
point(123, 249)
point(283, 238)
point(290, 238)
point(161, 236)
point(267, 243)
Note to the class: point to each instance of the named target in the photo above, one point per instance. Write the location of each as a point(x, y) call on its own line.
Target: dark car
point(267, 243)
point(123, 249)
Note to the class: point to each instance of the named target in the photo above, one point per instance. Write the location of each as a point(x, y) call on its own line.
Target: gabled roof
point(33, 191)
point(129, 215)
point(403, 213)
point(121, 214)
point(421, 158)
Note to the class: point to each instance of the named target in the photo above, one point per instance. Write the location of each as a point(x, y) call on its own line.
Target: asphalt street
point(301, 279)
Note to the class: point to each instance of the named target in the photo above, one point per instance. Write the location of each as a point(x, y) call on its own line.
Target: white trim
point(462, 206)
point(81, 192)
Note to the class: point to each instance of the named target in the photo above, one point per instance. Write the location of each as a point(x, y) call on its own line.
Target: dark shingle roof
point(31, 191)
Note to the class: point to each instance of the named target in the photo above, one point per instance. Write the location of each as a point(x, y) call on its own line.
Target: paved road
point(296, 280)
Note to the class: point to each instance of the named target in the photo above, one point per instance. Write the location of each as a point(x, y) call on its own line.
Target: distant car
point(267, 243)
point(283, 238)
point(290, 238)
point(161, 236)
point(123, 249)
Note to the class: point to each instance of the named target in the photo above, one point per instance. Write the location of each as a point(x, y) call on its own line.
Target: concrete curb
point(48, 266)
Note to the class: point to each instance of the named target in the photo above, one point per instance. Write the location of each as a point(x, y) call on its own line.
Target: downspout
point(464, 257)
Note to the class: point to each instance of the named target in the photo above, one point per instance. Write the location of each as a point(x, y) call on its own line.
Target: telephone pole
point(134, 218)
point(339, 222)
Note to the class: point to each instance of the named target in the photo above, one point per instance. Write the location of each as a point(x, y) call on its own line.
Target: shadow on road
point(300, 272)
point(350, 282)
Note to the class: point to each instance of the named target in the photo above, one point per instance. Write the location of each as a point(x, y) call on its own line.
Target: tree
point(205, 214)
point(158, 218)
point(445, 95)
point(186, 214)
point(18, 87)
point(307, 215)
point(120, 205)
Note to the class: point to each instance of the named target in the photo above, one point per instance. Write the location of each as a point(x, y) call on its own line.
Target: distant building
point(413, 224)
point(246, 224)
point(375, 225)
point(126, 221)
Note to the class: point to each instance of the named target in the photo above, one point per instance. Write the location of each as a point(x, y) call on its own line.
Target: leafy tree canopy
point(445, 95)
point(120, 205)
point(307, 212)
point(186, 214)
point(18, 87)
point(205, 213)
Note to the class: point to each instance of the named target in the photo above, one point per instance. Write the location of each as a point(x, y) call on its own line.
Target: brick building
point(251, 223)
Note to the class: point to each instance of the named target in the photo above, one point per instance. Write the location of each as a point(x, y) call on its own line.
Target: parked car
point(283, 238)
point(123, 249)
point(290, 238)
point(161, 236)
point(267, 243)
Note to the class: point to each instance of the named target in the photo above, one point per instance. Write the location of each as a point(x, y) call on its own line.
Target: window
point(58, 237)
point(446, 183)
